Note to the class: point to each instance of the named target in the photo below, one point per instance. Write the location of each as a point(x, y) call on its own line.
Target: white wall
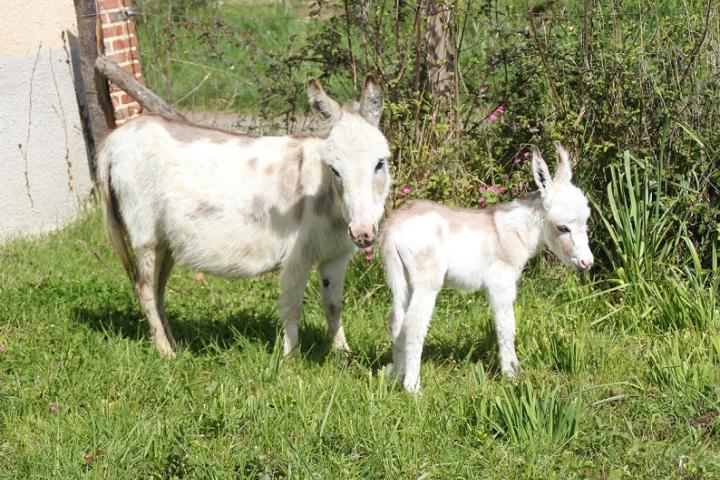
point(44, 170)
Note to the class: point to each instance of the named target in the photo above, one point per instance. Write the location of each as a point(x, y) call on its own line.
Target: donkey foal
point(239, 205)
point(426, 246)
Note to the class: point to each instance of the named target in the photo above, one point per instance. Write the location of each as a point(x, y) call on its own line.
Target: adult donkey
point(238, 205)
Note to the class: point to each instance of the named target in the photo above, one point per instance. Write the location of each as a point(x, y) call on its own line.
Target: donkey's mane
point(215, 132)
point(187, 123)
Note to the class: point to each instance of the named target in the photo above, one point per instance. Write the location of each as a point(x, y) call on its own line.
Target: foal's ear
point(541, 173)
point(563, 174)
point(326, 108)
point(371, 102)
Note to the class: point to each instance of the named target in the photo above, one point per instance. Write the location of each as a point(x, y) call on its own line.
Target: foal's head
point(566, 211)
point(356, 154)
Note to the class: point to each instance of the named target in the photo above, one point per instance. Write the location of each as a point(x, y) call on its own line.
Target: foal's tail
point(114, 223)
point(398, 283)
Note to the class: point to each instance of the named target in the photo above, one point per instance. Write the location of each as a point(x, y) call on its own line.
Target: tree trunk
point(96, 110)
point(439, 50)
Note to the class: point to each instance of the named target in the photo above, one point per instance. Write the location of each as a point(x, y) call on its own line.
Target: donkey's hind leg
point(148, 269)
point(164, 268)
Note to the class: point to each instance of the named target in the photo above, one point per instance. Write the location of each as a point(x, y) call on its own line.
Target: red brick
point(127, 26)
point(122, 99)
point(119, 57)
point(112, 4)
point(123, 43)
point(115, 31)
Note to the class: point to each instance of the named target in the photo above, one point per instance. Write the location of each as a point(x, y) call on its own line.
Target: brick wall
point(121, 46)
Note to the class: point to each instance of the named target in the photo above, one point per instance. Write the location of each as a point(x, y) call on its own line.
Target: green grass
point(595, 399)
point(238, 56)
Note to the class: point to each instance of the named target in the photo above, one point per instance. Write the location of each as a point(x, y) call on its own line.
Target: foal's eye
point(563, 229)
point(380, 165)
point(335, 172)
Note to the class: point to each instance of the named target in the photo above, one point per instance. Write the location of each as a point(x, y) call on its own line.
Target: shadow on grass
point(234, 329)
point(201, 335)
point(458, 349)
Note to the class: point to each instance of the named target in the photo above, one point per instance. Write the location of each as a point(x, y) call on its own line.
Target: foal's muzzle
point(584, 265)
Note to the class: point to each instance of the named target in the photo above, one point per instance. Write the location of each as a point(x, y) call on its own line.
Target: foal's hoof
point(512, 370)
point(390, 372)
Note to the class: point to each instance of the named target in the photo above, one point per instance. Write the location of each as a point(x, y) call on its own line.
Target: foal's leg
point(332, 275)
point(426, 274)
point(502, 297)
point(146, 289)
point(412, 336)
point(400, 303)
point(293, 280)
point(164, 268)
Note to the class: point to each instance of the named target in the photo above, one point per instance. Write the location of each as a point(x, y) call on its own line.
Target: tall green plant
point(643, 234)
point(524, 416)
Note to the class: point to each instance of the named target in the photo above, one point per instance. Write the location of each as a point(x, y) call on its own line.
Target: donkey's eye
point(563, 229)
point(335, 172)
point(380, 165)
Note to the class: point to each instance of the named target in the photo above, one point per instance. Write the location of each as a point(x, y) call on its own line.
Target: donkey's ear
point(371, 102)
point(326, 108)
point(563, 174)
point(541, 173)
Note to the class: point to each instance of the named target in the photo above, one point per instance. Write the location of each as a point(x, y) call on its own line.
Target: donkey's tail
point(398, 283)
point(114, 223)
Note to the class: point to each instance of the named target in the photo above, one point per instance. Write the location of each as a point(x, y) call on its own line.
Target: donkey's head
point(566, 211)
point(356, 154)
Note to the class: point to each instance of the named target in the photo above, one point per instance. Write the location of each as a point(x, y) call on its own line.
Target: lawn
point(83, 393)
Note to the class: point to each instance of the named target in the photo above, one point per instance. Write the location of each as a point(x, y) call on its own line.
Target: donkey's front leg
point(501, 301)
point(293, 280)
point(332, 273)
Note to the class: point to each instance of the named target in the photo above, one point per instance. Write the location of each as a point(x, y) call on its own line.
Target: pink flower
point(482, 202)
point(482, 188)
point(369, 257)
point(500, 108)
point(367, 249)
point(404, 190)
point(526, 154)
point(517, 160)
point(54, 408)
point(493, 117)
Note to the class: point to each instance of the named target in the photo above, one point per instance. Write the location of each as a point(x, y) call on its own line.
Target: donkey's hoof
point(342, 349)
point(166, 351)
point(292, 353)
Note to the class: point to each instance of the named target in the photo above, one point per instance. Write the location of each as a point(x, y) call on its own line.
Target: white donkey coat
point(238, 205)
point(427, 246)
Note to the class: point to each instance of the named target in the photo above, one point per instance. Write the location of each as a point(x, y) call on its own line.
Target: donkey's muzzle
point(584, 265)
point(363, 236)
